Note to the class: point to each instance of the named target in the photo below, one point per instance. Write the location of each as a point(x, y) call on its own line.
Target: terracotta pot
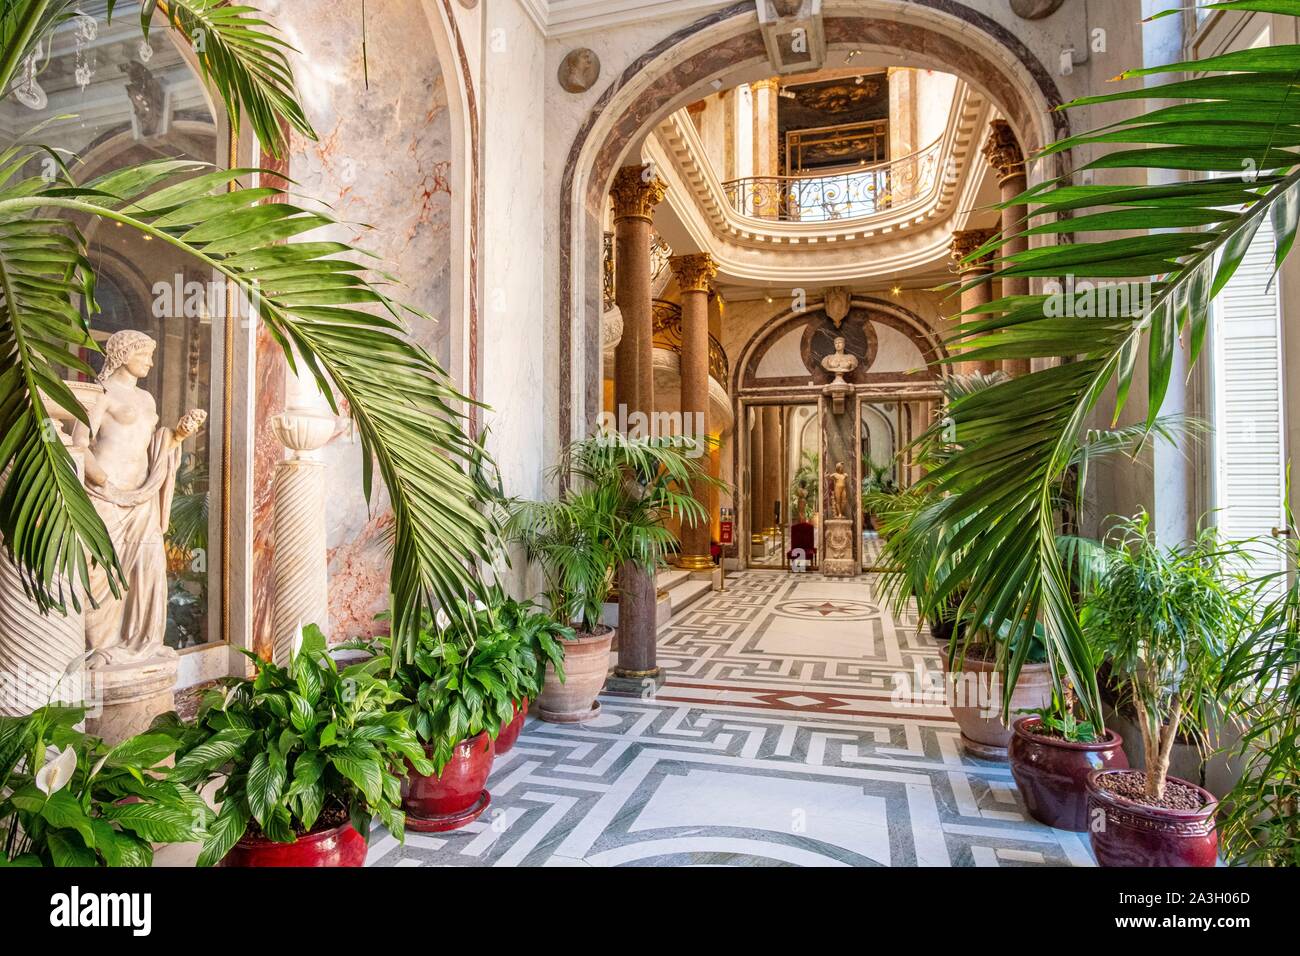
point(510, 730)
point(339, 846)
point(1052, 774)
point(976, 700)
point(1127, 833)
point(586, 663)
point(454, 797)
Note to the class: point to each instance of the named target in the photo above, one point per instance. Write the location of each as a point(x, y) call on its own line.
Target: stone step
point(687, 593)
point(669, 578)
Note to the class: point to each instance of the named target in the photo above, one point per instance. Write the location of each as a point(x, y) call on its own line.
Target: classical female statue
point(131, 467)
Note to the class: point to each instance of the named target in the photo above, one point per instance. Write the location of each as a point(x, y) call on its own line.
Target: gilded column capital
point(1003, 151)
point(693, 271)
point(636, 191)
point(771, 83)
point(966, 241)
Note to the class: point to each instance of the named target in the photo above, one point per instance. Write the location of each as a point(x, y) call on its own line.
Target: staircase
point(677, 591)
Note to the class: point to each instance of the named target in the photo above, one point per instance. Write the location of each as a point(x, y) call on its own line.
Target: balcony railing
point(840, 194)
point(668, 335)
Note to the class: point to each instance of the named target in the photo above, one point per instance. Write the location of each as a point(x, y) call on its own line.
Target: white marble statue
point(131, 467)
point(839, 363)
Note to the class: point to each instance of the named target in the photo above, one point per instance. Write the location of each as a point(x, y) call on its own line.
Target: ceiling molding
point(576, 16)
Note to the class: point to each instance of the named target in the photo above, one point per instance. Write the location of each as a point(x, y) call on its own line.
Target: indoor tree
point(317, 299)
point(1234, 138)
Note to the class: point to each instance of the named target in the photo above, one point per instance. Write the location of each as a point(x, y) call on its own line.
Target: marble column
point(1003, 153)
point(301, 555)
point(767, 145)
point(757, 515)
point(773, 452)
point(40, 652)
point(636, 191)
point(964, 242)
point(693, 273)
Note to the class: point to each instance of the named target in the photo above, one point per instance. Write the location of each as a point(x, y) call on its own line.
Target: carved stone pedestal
point(838, 560)
point(123, 699)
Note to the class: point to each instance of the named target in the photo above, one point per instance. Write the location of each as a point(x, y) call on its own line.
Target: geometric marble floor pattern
point(791, 731)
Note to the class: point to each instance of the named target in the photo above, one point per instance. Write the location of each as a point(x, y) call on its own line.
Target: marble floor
point(790, 732)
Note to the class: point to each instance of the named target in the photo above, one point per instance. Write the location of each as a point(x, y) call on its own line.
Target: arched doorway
point(728, 43)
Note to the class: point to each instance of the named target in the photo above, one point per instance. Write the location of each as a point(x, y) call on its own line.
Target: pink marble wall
point(381, 163)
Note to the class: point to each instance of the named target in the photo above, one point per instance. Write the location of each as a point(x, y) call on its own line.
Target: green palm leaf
point(1015, 440)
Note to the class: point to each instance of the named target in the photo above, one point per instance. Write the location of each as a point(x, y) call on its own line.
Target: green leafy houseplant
point(68, 799)
point(1261, 685)
point(620, 493)
point(315, 298)
point(299, 749)
point(1164, 618)
point(463, 681)
point(1231, 137)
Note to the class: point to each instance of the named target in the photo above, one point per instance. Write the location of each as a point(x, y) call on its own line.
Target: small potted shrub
point(610, 519)
point(1163, 618)
point(1052, 752)
point(68, 799)
point(462, 683)
point(307, 755)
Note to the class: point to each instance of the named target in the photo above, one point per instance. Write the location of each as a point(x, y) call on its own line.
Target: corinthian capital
point(1002, 151)
point(693, 271)
point(966, 241)
point(636, 191)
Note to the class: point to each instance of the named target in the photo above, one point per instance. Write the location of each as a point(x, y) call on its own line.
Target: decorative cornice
point(966, 241)
point(1003, 152)
point(636, 191)
point(693, 272)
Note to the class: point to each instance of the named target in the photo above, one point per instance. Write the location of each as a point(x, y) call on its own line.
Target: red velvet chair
point(803, 539)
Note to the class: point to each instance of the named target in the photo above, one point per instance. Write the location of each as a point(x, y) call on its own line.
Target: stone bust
point(839, 363)
point(131, 467)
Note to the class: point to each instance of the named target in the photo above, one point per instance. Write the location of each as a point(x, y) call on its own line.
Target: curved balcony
point(668, 335)
point(845, 193)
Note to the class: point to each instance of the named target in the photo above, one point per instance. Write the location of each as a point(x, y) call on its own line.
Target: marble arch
point(944, 34)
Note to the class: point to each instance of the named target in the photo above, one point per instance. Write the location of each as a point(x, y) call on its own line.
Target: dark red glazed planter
point(457, 795)
point(1133, 834)
point(1052, 774)
point(339, 846)
point(510, 731)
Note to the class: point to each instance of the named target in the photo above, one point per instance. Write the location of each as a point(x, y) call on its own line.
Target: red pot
point(340, 846)
point(1126, 833)
point(457, 795)
point(510, 731)
point(1052, 774)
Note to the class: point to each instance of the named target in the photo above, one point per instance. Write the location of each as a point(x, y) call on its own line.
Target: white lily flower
point(442, 620)
point(296, 646)
point(54, 776)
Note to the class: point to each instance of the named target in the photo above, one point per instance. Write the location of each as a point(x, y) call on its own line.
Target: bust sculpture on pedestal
point(839, 363)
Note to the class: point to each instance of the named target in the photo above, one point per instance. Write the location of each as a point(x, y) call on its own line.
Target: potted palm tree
point(620, 492)
point(1163, 618)
point(306, 756)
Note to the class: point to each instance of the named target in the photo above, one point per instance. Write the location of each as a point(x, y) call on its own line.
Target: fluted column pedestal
point(964, 242)
point(40, 654)
point(301, 562)
point(636, 191)
point(1004, 155)
point(693, 273)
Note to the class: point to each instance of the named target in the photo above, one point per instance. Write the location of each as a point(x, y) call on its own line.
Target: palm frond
point(1015, 440)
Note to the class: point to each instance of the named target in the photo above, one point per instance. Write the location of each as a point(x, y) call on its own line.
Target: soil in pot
point(510, 730)
point(1052, 772)
point(975, 696)
point(1128, 828)
point(333, 841)
point(454, 797)
point(586, 664)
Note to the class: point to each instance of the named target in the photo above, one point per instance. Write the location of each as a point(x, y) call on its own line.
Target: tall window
point(1250, 457)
